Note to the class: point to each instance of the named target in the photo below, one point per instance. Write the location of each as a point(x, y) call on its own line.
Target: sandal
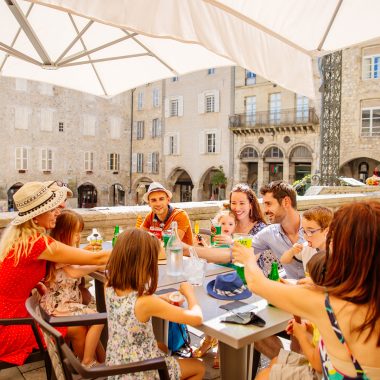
point(207, 343)
point(93, 364)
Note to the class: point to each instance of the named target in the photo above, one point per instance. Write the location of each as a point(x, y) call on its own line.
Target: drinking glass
point(195, 271)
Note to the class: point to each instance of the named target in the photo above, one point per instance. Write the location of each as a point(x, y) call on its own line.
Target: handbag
point(178, 336)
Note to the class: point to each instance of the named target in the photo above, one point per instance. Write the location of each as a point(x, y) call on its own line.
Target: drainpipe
point(232, 135)
point(130, 146)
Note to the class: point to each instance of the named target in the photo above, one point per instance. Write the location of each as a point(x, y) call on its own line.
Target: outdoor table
point(236, 342)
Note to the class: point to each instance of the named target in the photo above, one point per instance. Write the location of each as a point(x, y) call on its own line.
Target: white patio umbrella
point(276, 39)
point(48, 45)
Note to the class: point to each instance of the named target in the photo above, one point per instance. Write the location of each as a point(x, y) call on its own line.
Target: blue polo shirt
point(273, 237)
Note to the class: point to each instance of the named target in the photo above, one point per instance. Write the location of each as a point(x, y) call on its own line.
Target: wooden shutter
point(217, 140)
point(201, 103)
point(167, 108)
point(180, 105)
point(202, 142)
point(216, 100)
point(134, 162)
point(150, 162)
point(177, 142)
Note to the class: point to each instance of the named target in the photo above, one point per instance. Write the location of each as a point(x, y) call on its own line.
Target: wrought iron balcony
point(289, 120)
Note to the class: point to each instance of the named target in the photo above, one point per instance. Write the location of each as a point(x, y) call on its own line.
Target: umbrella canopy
point(276, 39)
point(44, 44)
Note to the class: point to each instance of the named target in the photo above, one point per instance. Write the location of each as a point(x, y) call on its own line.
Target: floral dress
point(63, 296)
point(131, 340)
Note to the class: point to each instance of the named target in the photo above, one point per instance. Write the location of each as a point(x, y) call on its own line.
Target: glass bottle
point(196, 227)
point(274, 275)
point(139, 221)
point(115, 235)
point(174, 253)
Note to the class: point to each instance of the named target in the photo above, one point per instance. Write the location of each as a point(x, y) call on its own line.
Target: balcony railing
point(264, 120)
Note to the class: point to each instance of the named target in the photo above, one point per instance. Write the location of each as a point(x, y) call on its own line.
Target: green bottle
point(115, 234)
point(273, 275)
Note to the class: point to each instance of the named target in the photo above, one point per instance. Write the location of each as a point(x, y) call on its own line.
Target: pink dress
point(16, 283)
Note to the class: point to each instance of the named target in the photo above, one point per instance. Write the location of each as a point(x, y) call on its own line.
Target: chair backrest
point(53, 338)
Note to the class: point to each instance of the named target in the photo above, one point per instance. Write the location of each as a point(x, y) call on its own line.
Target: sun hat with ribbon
point(35, 198)
point(153, 187)
point(228, 286)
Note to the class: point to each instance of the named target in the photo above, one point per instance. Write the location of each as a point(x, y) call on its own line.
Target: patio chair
point(67, 366)
point(35, 356)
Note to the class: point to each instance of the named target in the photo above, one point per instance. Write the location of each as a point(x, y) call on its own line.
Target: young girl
point(63, 295)
point(228, 221)
point(290, 364)
point(315, 224)
point(131, 282)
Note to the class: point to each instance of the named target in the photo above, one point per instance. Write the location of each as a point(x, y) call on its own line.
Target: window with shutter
point(22, 117)
point(173, 107)
point(150, 161)
point(140, 162)
point(89, 161)
point(89, 122)
point(21, 155)
point(46, 119)
point(140, 96)
point(156, 97)
point(113, 162)
point(134, 162)
point(140, 130)
point(46, 159)
point(115, 128)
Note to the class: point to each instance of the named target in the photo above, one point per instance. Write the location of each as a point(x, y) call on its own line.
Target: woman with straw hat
point(24, 249)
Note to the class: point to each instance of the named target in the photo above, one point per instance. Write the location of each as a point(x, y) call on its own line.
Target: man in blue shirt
point(280, 206)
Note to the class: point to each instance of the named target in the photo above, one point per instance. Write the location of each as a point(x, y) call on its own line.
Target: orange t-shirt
point(178, 215)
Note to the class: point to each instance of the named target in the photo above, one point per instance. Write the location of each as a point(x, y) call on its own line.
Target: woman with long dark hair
point(346, 310)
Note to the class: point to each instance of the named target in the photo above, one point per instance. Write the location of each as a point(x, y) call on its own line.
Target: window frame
point(23, 158)
point(46, 159)
point(140, 163)
point(210, 142)
point(113, 162)
point(88, 161)
point(374, 73)
point(370, 127)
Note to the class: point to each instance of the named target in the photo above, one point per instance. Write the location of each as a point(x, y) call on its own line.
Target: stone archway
point(248, 166)
point(300, 162)
point(207, 191)
point(117, 195)
point(140, 187)
point(10, 193)
point(359, 168)
point(273, 164)
point(87, 195)
point(181, 185)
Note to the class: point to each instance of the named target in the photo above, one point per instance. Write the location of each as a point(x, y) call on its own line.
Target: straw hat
point(35, 198)
point(155, 186)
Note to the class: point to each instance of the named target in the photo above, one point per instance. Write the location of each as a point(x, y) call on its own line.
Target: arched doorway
point(182, 185)
point(210, 191)
point(300, 163)
point(10, 193)
point(249, 159)
point(117, 195)
point(87, 195)
point(141, 186)
point(359, 168)
point(273, 164)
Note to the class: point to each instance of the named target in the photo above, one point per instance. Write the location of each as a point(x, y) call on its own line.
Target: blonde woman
point(25, 249)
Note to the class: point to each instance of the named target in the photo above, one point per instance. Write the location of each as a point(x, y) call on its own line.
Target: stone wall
point(105, 218)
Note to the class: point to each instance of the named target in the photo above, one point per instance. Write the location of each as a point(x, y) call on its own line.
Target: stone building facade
point(275, 132)
point(52, 133)
point(360, 112)
point(196, 139)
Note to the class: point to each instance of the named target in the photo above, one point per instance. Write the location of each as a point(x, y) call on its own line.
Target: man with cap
point(163, 214)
